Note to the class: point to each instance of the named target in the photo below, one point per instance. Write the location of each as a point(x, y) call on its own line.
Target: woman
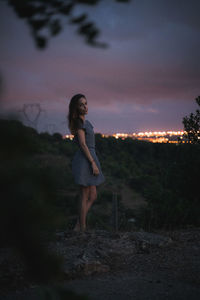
point(86, 168)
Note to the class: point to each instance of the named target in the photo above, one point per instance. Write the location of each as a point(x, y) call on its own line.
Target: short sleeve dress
point(81, 167)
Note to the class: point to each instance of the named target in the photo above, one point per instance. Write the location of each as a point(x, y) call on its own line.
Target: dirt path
point(132, 199)
point(123, 285)
point(137, 286)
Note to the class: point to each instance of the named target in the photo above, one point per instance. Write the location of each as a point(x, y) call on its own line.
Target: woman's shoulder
point(83, 124)
point(88, 122)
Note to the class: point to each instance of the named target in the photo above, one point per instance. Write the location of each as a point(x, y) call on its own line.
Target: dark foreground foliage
point(28, 208)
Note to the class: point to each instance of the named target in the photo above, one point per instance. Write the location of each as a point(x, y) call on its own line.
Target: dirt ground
point(171, 272)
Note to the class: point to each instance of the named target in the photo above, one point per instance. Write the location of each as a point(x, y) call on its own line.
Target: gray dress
point(81, 167)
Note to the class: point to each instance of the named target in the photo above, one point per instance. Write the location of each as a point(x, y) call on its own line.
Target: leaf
point(66, 9)
point(38, 24)
point(85, 29)
point(79, 19)
point(41, 42)
point(55, 27)
point(23, 10)
point(93, 34)
point(89, 2)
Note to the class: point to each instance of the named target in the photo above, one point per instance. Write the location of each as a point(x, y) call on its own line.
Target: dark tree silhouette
point(192, 125)
point(43, 14)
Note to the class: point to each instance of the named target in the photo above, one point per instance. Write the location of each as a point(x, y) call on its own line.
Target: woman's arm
point(81, 138)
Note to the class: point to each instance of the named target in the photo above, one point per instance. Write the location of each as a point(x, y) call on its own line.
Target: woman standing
point(86, 167)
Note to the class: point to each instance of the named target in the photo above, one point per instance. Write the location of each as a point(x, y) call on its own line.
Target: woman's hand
point(95, 168)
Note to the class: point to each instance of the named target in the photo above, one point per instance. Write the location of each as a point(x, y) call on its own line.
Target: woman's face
point(82, 106)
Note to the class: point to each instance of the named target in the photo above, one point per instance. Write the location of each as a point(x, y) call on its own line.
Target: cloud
point(153, 59)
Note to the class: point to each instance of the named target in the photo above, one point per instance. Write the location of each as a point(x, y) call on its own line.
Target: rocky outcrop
point(105, 263)
point(100, 251)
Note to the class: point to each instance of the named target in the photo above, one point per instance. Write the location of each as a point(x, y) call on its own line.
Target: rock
point(99, 251)
point(60, 235)
point(92, 252)
point(90, 267)
point(150, 239)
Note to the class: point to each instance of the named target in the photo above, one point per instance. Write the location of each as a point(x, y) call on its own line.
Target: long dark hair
point(73, 115)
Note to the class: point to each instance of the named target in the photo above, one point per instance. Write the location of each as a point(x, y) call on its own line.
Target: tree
point(192, 125)
point(43, 14)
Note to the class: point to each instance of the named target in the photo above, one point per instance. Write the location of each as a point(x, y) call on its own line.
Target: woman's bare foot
point(77, 227)
point(83, 228)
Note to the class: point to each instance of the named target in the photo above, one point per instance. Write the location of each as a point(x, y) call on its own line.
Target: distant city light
point(68, 136)
point(151, 136)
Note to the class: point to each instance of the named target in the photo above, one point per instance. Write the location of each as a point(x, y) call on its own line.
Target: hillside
point(157, 184)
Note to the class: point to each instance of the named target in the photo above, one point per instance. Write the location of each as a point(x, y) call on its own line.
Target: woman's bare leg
point(77, 226)
point(92, 197)
point(88, 196)
point(81, 222)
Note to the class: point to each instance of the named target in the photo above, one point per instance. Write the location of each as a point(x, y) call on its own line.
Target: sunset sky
point(147, 79)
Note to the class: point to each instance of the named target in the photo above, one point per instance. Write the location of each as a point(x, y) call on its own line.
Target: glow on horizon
point(152, 136)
